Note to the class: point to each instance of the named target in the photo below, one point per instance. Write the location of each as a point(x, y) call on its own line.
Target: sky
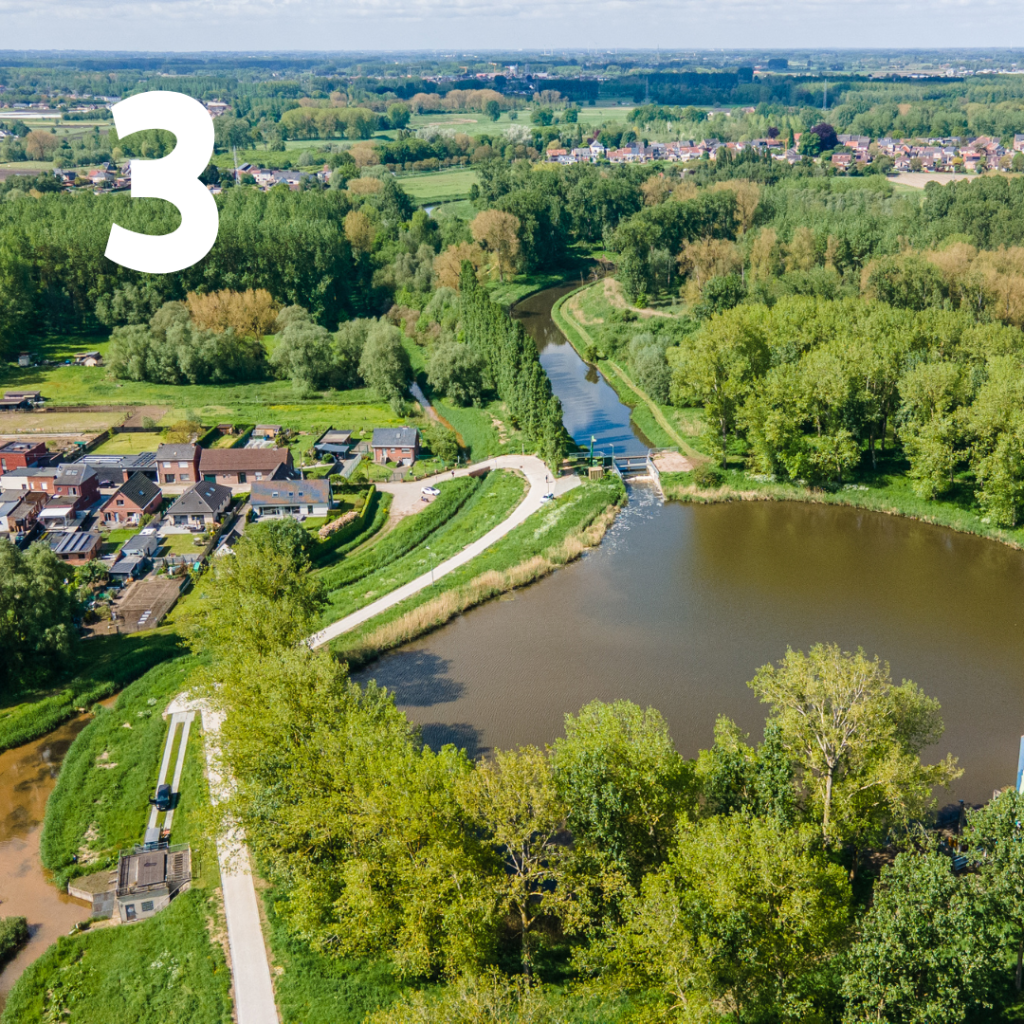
point(446, 25)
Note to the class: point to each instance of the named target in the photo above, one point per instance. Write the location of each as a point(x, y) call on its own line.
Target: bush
point(326, 549)
point(13, 935)
point(706, 475)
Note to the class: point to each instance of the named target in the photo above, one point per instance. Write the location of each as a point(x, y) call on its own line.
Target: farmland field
point(58, 422)
point(439, 186)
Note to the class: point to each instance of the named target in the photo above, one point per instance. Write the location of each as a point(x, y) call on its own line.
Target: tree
point(456, 370)
point(492, 108)
point(444, 443)
point(40, 145)
point(384, 363)
point(856, 739)
point(261, 599)
point(305, 353)
point(996, 833)
point(743, 919)
point(37, 612)
point(16, 300)
point(399, 115)
point(251, 313)
point(622, 783)
point(359, 230)
point(926, 951)
point(512, 798)
point(498, 233)
point(448, 264)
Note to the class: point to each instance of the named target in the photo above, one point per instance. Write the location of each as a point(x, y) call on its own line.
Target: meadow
point(439, 186)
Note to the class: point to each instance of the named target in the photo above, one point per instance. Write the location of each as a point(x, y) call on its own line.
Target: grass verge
point(559, 533)
point(490, 504)
point(164, 969)
point(13, 935)
point(409, 533)
point(101, 801)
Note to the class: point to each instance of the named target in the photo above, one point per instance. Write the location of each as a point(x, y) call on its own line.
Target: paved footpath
point(250, 968)
point(407, 495)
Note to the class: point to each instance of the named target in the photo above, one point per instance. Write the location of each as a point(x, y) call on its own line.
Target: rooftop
point(176, 452)
point(395, 437)
point(290, 492)
point(74, 543)
point(139, 489)
point(205, 497)
point(245, 459)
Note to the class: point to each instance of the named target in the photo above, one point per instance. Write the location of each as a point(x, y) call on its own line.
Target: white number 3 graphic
point(174, 177)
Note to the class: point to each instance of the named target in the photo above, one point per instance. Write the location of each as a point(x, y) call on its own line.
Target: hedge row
point(326, 550)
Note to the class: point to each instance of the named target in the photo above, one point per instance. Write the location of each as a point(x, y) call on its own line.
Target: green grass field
point(473, 123)
point(165, 969)
point(129, 444)
point(439, 186)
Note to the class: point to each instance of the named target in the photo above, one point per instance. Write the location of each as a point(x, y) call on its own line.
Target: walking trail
point(407, 497)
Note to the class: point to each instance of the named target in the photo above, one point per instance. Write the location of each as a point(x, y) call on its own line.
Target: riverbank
point(890, 496)
point(554, 536)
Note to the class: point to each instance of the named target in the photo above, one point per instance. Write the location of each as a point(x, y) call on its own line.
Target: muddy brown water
point(27, 777)
point(681, 604)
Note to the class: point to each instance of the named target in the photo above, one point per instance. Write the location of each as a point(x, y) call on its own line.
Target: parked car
point(162, 800)
point(431, 492)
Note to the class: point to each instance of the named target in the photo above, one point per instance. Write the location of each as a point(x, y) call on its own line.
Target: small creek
point(27, 777)
point(681, 604)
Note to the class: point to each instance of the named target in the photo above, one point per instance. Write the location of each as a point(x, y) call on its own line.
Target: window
point(120, 501)
point(168, 465)
point(129, 912)
point(168, 478)
point(147, 906)
point(183, 465)
point(184, 477)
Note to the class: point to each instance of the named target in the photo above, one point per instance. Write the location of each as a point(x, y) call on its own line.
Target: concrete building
point(147, 880)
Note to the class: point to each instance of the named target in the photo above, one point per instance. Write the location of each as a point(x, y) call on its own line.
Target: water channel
point(681, 604)
point(27, 777)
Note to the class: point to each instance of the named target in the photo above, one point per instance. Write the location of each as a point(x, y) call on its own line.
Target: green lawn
point(439, 186)
point(165, 969)
point(179, 544)
point(129, 444)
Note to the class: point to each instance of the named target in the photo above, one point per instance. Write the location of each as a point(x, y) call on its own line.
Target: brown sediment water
point(27, 777)
point(681, 604)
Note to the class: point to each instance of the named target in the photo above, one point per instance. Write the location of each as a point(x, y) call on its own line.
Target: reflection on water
point(590, 407)
point(27, 777)
point(681, 604)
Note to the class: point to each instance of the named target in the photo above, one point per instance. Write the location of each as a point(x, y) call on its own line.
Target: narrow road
point(250, 968)
point(406, 495)
point(185, 719)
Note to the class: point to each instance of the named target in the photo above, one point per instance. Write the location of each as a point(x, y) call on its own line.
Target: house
point(291, 498)
point(1018, 143)
point(114, 470)
point(14, 404)
point(199, 508)
point(75, 548)
point(59, 514)
point(178, 463)
point(88, 359)
point(232, 466)
point(21, 455)
point(148, 879)
point(18, 518)
point(395, 444)
point(135, 498)
point(33, 397)
point(333, 442)
point(842, 161)
point(267, 430)
point(77, 481)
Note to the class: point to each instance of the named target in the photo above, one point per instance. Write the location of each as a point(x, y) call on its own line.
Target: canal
point(681, 604)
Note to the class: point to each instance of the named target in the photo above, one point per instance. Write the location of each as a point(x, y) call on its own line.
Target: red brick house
point(233, 466)
point(178, 463)
point(132, 500)
point(72, 480)
point(395, 444)
point(21, 455)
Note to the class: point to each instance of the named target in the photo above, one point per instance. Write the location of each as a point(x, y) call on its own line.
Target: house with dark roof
point(136, 498)
point(233, 466)
point(18, 518)
point(201, 507)
point(114, 470)
point(395, 444)
point(291, 498)
point(142, 545)
point(178, 463)
point(74, 480)
point(75, 548)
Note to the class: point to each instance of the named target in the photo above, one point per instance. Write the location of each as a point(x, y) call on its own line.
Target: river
point(27, 777)
point(681, 604)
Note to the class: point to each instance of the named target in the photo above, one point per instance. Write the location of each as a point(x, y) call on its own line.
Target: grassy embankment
point(165, 969)
point(101, 801)
point(99, 667)
point(466, 509)
point(887, 489)
point(560, 532)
